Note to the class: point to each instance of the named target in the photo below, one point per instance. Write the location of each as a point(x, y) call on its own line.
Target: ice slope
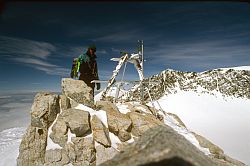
point(223, 120)
point(238, 68)
point(10, 140)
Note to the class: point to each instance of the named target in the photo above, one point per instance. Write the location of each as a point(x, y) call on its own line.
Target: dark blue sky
point(39, 40)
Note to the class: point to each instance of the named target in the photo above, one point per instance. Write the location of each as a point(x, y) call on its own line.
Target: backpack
point(75, 68)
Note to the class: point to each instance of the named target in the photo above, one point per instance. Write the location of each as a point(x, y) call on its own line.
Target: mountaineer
point(87, 66)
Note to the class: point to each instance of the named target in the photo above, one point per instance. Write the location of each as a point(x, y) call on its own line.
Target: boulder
point(214, 150)
point(141, 123)
point(103, 154)
point(180, 123)
point(84, 151)
point(56, 157)
point(160, 146)
point(100, 132)
point(44, 109)
point(65, 102)
point(78, 91)
point(32, 147)
point(106, 106)
point(217, 154)
point(118, 123)
point(78, 121)
point(59, 132)
point(137, 107)
point(225, 160)
point(70, 150)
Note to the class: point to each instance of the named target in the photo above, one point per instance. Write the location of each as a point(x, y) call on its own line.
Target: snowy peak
point(228, 82)
point(237, 68)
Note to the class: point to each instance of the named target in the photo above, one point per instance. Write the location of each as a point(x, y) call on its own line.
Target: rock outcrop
point(118, 123)
point(78, 121)
point(77, 91)
point(62, 134)
point(161, 146)
point(217, 154)
point(33, 145)
point(142, 123)
point(59, 132)
point(100, 132)
point(227, 82)
point(44, 109)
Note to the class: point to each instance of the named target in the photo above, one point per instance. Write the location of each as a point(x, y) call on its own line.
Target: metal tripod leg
point(115, 72)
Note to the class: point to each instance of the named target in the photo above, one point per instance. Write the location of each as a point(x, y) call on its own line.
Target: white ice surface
point(10, 140)
point(238, 68)
point(224, 121)
point(114, 140)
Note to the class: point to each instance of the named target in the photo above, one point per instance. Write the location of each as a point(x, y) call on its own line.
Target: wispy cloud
point(33, 61)
point(54, 71)
point(29, 48)
point(31, 53)
point(199, 54)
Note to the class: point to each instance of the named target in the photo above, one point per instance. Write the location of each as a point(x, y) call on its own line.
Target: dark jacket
point(88, 69)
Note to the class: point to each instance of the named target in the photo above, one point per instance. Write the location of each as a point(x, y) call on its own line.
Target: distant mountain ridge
point(229, 82)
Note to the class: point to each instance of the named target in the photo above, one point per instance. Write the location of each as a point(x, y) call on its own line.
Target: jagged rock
point(59, 132)
point(65, 102)
point(116, 121)
point(135, 107)
point(33, 146)
point(73, 103)
point(228, 82)
point(103, 154)
point(69, 148)
point(181, 124)
point(53, 155)
point(225, 160)
point(161, 146)
point(124, 135)
point(56, 157)
point(44, 109)
point(78, 121)
point(78, 91)
point(100, 132)
point(215, 150)
point(141, 123)
point(217, 153)
point(231, 161)
point(106, 106)
point(84, 150)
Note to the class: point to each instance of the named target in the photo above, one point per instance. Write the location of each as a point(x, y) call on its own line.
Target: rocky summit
point(72, 129)
point(228, 82)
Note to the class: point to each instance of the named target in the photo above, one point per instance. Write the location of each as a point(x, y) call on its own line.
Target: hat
point(92, 47)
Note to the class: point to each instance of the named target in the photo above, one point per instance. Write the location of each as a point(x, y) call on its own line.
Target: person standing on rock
point(88, 67)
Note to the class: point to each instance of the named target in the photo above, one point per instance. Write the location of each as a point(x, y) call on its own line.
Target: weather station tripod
point(138, 60)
